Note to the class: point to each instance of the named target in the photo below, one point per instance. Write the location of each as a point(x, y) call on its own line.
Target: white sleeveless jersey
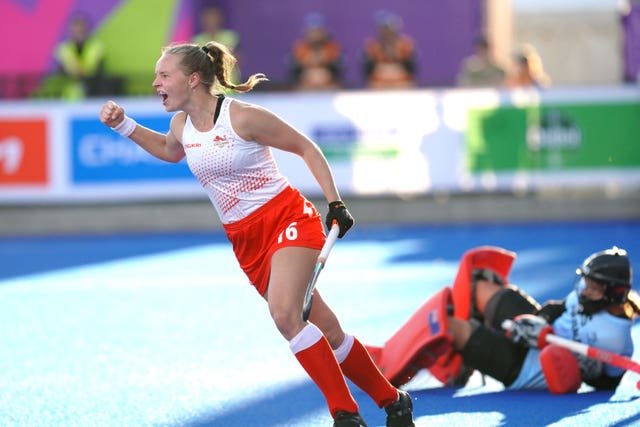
point(602, 330)
point(239, 176)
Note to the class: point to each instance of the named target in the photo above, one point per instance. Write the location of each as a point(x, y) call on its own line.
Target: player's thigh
point(494, 354)
point(291, 269)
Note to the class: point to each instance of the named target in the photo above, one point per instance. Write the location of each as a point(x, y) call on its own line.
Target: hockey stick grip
point(328, 244)
point(586, 350)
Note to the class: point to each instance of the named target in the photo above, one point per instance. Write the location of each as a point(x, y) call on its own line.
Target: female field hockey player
point(276, 233)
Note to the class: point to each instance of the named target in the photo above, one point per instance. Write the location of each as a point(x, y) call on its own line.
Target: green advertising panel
point(554, 137)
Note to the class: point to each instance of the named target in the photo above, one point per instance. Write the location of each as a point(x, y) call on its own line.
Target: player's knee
point(287, 322)
point(460, 330)
point(484, 291)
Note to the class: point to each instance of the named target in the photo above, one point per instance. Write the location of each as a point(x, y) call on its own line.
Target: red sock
point(314, 353)
point(359, 368)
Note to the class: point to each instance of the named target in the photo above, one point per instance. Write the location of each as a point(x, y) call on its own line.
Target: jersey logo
point(219, 140)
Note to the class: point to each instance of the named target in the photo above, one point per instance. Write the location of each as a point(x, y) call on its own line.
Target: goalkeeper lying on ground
point(459, 330)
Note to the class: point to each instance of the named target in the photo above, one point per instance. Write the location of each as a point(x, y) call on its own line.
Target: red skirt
point(288, 219)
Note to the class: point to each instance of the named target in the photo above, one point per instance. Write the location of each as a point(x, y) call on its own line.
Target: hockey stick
point(322, 259)
point(589, 351)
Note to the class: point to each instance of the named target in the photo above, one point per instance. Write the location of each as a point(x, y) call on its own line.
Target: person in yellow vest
point(79, 61)
point(212, 28)
point(481, 69)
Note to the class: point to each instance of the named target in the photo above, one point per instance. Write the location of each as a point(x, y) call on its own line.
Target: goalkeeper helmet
point(612, 269)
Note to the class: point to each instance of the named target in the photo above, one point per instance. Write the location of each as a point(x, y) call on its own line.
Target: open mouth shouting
point(163, 96)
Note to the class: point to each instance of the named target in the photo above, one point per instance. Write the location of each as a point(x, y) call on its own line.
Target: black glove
point(338, 212)
point(590, 369)
point(529, 330)
point(551, 310)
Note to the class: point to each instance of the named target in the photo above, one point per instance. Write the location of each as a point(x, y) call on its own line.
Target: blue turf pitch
point(162, 329)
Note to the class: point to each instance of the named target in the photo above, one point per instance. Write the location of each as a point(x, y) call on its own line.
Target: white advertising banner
point(378, 143)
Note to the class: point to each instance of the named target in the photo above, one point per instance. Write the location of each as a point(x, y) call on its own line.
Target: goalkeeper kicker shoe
point(348, 419)
point(400, 413)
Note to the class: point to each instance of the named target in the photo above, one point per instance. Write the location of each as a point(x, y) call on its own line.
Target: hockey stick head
point(308, 296)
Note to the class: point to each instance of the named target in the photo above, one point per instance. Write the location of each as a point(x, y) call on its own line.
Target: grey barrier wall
point(199, 215)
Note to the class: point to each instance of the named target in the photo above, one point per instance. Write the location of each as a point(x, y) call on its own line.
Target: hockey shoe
point(348, 419)
point(400, 413)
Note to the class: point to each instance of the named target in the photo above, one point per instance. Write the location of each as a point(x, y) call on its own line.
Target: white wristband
point(126, 126)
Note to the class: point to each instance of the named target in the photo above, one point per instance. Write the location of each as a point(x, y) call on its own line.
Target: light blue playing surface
point(163, 329)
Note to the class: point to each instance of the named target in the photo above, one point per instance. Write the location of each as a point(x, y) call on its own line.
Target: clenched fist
point(111, 114)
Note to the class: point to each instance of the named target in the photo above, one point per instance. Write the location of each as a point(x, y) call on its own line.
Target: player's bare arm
point(255, 123)
point(165, 147)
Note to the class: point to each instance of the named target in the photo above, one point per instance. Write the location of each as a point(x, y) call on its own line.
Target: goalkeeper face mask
point(591, 296)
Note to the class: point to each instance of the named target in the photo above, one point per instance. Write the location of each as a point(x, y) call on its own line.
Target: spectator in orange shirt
point(316, 58)
point(390, 57)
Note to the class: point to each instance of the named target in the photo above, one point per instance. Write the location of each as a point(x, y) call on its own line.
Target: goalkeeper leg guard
point(418, 343)
point(450, 370)
point(488, 262)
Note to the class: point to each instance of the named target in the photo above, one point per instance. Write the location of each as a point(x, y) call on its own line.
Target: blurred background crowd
point(73, 49)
